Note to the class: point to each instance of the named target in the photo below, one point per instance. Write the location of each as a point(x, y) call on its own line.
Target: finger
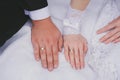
point(43, 58)
point(117, 40)
point(72, 60)
point(66, 52)
point(85, 47)
point(60, 43)
point(49, 57)
point(77, 58)
point(36, 51)
point(81, 57)
point(55, 56)
point(108, 35)
point(114, 37)
point(106, 28)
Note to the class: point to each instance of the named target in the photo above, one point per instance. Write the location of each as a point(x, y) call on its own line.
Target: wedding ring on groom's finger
point(42, 48)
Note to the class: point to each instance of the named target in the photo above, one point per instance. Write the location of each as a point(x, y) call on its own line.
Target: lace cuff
point(72, 21)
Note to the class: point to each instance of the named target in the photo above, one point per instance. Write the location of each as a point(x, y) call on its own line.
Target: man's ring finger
point(42, 48)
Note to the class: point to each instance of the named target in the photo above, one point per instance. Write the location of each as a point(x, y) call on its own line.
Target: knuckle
point(49, 55)
point(55, 39)
point(50, 60)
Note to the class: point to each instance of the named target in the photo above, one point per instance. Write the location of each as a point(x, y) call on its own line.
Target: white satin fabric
point(102, 61)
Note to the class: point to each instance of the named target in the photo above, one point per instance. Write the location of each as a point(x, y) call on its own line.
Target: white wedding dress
point(102, 61)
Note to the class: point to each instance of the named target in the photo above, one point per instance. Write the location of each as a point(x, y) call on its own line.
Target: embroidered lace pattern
point(72, 21)
point(98, 56)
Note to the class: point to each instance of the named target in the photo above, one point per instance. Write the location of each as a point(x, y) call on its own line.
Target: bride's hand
point(75, 47)
point(113, 34)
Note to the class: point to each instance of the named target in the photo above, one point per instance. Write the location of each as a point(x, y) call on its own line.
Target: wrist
point(72, 22)
point(70, 30)
point(43, 21)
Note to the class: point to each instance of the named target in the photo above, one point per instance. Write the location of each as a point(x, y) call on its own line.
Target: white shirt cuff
point(38, 14)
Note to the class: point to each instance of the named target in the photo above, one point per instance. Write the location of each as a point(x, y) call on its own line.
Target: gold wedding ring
point(42, 48)
point(71, 50)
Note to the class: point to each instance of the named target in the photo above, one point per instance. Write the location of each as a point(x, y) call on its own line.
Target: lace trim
point(72, 21)
point(97, 58)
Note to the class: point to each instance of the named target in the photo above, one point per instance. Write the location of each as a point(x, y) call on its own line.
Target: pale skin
point(113, 34)
point(78, 43)
point(46, 35)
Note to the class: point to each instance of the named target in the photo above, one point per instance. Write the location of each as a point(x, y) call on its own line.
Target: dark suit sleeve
point(31, 5)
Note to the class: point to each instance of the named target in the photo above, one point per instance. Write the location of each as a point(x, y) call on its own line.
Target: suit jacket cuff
point(38, 14)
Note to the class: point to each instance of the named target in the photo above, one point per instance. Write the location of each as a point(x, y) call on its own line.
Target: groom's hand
point(47, 42)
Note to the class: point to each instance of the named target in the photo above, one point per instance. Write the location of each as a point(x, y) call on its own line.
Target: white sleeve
point(38, 14)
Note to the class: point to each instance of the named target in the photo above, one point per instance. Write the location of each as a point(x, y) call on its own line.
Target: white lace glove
point(72, 21)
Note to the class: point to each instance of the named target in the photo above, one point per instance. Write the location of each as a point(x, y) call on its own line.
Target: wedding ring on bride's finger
point(71, 50)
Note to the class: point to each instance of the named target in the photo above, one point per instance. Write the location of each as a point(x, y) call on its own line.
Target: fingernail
point(77, 68)
point(50, 69)
point(45, 66)
point(73, 67)
point(55, 66)
point(37, 59)
point(81, 67)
